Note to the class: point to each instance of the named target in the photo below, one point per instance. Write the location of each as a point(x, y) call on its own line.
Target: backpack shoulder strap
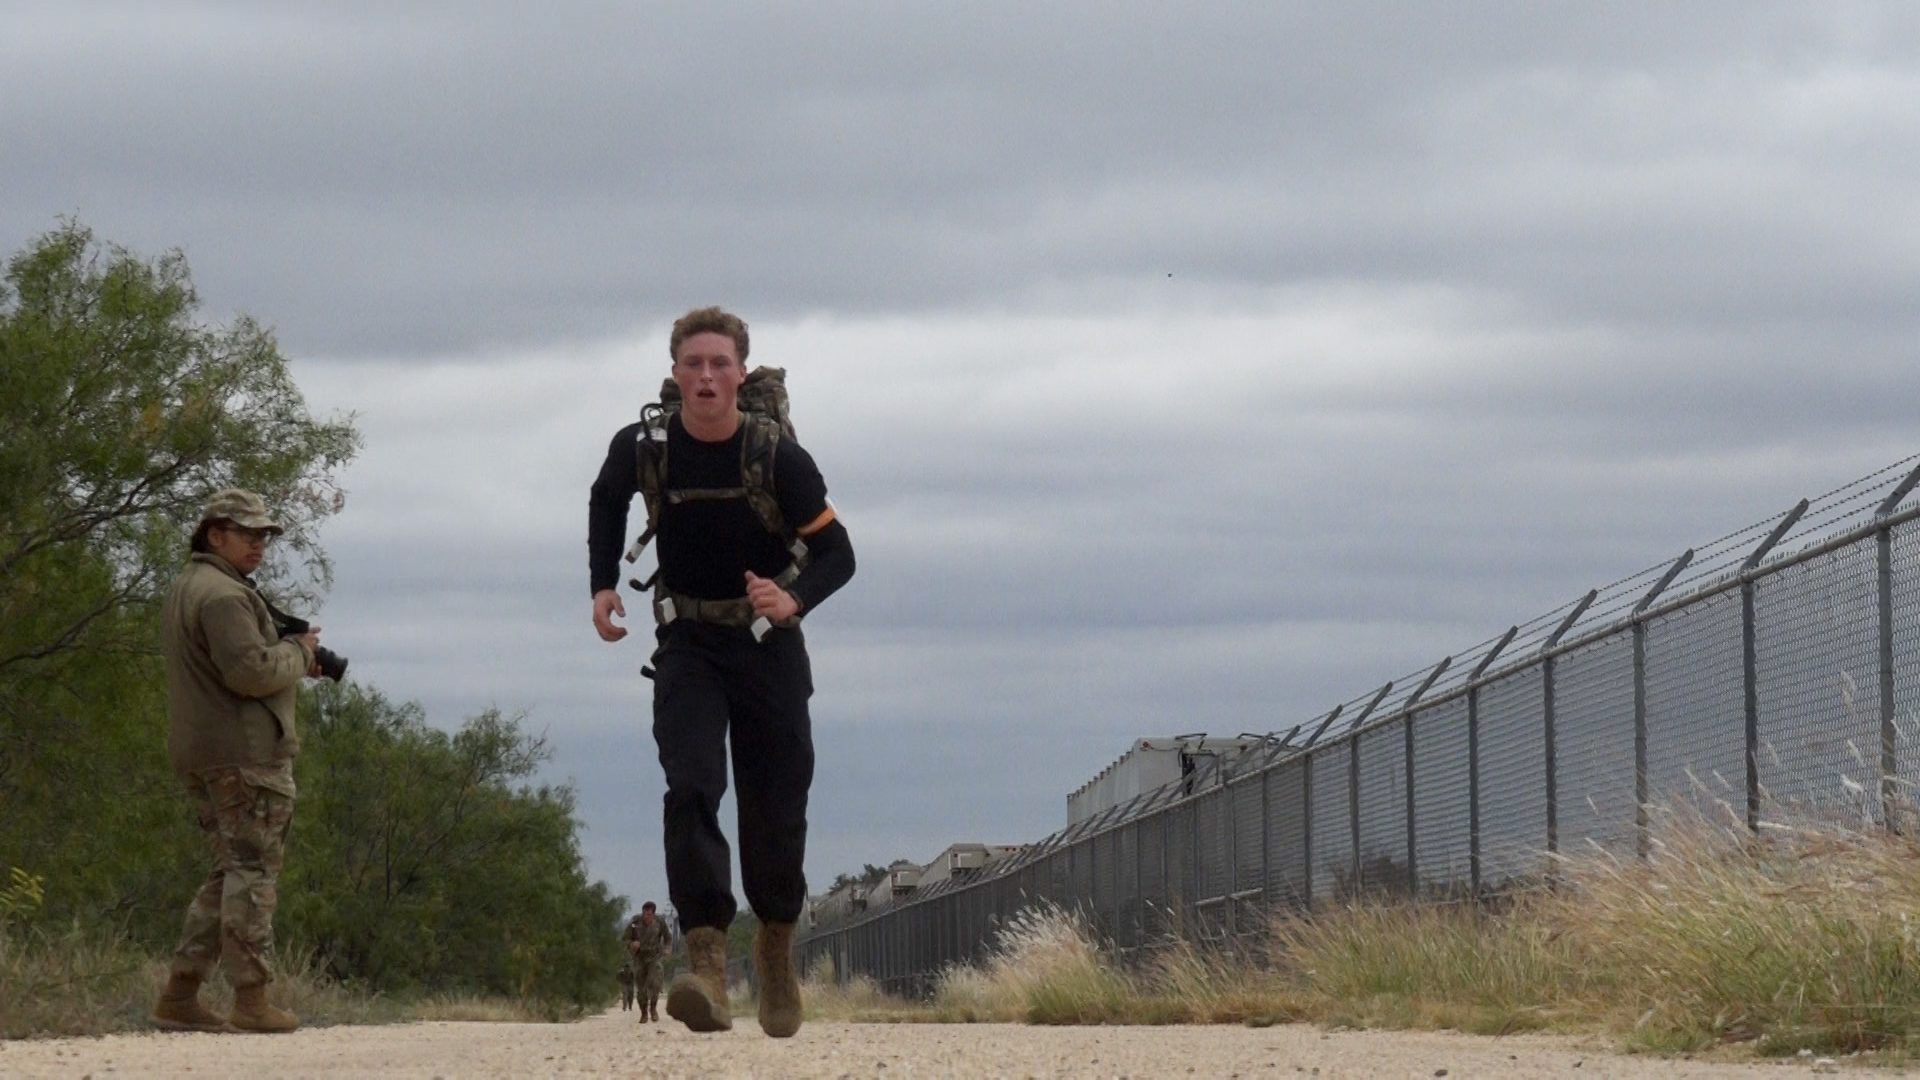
point(759, 446)
point(650, 461)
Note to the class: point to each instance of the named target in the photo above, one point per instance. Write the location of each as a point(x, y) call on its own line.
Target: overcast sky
point(1174, 367)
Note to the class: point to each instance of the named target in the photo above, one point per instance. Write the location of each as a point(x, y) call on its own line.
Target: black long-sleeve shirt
point(705, 547)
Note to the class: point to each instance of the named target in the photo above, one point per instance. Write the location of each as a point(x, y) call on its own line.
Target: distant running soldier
point(748, 544)
point(230, 702)
point(648, 943)
point(626, 986)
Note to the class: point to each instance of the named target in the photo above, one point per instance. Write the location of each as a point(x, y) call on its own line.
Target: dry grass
point(1806, 936)
point(72, 985)
point(78, 984)
point(1803, 937)
point(1045, 969)
point(857, 999)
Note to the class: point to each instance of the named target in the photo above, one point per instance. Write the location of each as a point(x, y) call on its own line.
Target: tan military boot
point(779, 983)
point(252, 1013)
point(179, 1007)
point(698, 996)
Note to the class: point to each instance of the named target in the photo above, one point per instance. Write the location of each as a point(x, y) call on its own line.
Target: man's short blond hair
point(709, 320)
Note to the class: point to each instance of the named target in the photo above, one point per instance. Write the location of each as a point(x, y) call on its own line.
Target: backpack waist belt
point(670, 606)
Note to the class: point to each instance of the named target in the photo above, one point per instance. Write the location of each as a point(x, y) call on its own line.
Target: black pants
point(712, 685)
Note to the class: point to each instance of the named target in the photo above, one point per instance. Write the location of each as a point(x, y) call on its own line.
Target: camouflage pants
point(231, 918)
point(648, 976)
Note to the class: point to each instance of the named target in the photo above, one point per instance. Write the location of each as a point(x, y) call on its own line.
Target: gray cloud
point(446, 178)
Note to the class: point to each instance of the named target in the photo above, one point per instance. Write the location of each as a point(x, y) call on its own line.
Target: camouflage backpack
point(763, 423)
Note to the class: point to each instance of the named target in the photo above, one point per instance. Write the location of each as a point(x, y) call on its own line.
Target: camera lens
point(332, 664)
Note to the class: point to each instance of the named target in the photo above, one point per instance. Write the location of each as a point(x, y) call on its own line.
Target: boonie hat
point(243, 508)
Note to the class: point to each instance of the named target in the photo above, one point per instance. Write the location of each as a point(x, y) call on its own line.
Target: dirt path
point(614, 1045)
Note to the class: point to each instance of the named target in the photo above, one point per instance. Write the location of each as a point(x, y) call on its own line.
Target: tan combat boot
point(252, 1013)
point(698, 996)
point(179, 1007)
point(779, 983)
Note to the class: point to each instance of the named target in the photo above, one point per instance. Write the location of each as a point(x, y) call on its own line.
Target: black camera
point(332, 665)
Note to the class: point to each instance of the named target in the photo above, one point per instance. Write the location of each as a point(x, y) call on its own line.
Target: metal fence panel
point(1696, 726)
point(1905, 564)
point(1332, 824)
point(1080, 881)
point(1440, 805)
point(1593, 744)
point(1153, 869)
point(1009, 897)
point(1817, 655)
point(1127, 861)
point(1249, 836)
point(1287, 835)
point(1059, 882)
point(1106, 879)
point(1179, 849)
point(1212, 811)
point(1513, 778)
point(1156, 896)
point(1383, 808)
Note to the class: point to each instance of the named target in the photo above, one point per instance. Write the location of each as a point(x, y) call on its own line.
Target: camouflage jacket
point(230, 677)
point(646, 942)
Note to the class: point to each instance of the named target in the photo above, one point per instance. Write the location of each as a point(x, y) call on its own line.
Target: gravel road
point(615, 1045)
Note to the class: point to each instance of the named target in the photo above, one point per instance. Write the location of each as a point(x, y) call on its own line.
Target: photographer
point(231, 680)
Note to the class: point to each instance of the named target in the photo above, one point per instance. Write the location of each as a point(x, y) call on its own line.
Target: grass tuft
point(1045, 969)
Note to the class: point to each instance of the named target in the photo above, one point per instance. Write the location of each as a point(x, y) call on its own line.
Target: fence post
point(1473, 757)
point(1640, 845)
point(1275, 747)
point(1406, 732)
point(1750, 692)
point(1139, 883)
point(1266, 839)
point(1750, 659)
point(1473, 789)
point(1306, 816)
point(1353, 782)
point(1552, 762)
point(1166, 873)
point(1413, 874)
point(1093, 878)
point(1193, 863)
point(1889, 746)
point(1230, 813)
point(1546, 690)
point(1642, 827)
point(1306, 788)
point(1355, 885)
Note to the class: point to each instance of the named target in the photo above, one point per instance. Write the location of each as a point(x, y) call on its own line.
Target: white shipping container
point(1147, 764)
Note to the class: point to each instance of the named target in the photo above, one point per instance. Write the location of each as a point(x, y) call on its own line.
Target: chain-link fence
point(1778, 665)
